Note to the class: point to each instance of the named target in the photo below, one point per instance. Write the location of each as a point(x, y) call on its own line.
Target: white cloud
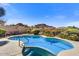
point(14, 21)
point(56, 17)
point(59, 17)
point(5, 4)
point(46, 16)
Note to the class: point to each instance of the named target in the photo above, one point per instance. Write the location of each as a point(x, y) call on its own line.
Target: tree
point(35, 32)
point(2, 12)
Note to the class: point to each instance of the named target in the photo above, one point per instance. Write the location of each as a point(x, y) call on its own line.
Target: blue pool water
point(43, 44)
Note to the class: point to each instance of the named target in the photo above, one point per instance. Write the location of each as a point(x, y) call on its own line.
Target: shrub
point(36, 32)
point(63, 35)
point(2, 32)
point(73, 37)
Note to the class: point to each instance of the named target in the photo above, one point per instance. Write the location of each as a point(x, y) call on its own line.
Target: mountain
point(43, 26)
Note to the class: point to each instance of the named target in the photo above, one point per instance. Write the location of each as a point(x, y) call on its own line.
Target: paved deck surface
point(72, 52)
point(10, 49)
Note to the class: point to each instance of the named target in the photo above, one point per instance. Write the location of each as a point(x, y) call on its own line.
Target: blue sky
point(54, 14)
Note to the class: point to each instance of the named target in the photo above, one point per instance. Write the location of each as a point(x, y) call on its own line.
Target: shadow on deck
point(3, 43)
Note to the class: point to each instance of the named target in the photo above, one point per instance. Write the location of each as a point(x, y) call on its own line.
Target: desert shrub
point(36, 32)
point(63, 35)
point(73, 37)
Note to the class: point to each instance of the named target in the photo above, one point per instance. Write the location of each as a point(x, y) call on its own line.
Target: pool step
point(26, 51)
point(35, 51)
point(51, 48)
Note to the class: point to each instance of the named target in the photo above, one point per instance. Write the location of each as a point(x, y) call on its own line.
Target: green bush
point(2, 31)
point(73, 37)
point(36, 32)
point(63, 35)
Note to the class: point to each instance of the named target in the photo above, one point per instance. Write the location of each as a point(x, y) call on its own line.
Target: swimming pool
point(39, 45)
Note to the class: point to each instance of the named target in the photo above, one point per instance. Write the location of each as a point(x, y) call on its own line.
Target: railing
point(21, 44)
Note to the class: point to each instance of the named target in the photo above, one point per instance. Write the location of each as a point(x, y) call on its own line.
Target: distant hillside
point(43, 26)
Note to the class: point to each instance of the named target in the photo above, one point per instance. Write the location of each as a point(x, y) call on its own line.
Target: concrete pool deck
point(71, 52)
point(13, 49)
point(10, 49)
